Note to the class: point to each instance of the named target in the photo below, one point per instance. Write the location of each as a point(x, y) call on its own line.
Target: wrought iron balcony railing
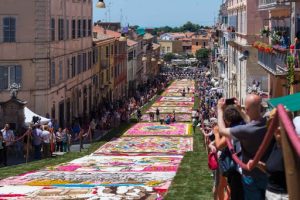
point(273, 4)
point(276, 63)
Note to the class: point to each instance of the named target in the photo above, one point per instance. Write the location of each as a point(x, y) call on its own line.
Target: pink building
point(244, 24)
point(46, 47)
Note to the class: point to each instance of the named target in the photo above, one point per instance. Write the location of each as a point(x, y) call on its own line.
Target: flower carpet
point(177, 99)
point(169, 145)
point(179, 89)
point(139, 165)
point(146, 129)
point(173, 104)
point(179, 117)
point(121, 164)
point(165, 110)
point(176, 94)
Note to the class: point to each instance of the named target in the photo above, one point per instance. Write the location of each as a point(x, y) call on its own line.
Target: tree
point(189, 26)
point(203, 55)
point(169, 56)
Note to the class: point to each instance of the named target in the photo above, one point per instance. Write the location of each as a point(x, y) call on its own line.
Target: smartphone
point(230, 101)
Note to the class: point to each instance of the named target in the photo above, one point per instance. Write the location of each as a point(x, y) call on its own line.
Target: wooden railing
point(290, 147)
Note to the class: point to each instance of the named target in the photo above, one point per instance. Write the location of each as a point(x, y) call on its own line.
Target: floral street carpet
point(169, 145)
point(150, 129)
point(139, 165)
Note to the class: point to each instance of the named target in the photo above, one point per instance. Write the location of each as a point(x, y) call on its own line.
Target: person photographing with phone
point(250, 136)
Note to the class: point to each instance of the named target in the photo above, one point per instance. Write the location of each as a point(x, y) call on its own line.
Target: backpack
point(226, 163)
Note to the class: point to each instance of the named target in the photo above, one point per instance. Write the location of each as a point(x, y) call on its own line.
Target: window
point(78, 28)
point(61, 29)
point(68, 67)
point(130, 55)
point(89, 59)
point(73, 66)
point(9, 29)
point(9, 75)
point(52, 73)
point(67, 29)
point(107, 75)
point(95, 55)
point(84, 62)
point(79, 63)
point(53, 29)
point(107, 52)
point(84, 30)
point(112, 49)
point(204, 44)
point(197, 43)
point(60, 71)
point(73, 29)
point(89, 27)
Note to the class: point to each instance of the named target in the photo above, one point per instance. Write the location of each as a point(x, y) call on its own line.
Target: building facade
point(277, 43)
point(244, 23)
point(46, 47)
point(132, 66)
point(170, 46)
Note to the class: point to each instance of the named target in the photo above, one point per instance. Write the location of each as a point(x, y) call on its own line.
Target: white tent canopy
point(29, 114)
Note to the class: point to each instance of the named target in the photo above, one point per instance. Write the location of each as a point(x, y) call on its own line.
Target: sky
point(157, 13)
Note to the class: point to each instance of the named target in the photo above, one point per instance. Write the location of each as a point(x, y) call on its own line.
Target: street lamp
point(153, 59)
point(100, 4)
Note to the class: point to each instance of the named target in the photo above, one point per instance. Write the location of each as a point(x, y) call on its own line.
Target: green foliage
point(291, 71)
point(190, 56)
point(169, 56)
point(202, 54)
point(193, 180)
point(188, 26)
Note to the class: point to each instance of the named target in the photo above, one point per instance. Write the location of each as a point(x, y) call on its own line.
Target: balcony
point(273, 63)
point(224, 52)
point(274, 4)
point(104, 63)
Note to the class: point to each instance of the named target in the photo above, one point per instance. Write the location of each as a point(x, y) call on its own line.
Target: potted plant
point(265, 31)
point(275, 37)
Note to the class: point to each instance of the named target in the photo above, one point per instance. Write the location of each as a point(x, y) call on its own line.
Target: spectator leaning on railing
point(251, 136)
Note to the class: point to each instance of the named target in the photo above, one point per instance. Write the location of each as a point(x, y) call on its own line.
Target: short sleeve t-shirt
point(250, 136)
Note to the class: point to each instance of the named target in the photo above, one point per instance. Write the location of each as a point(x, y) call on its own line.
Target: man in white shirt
point(8, 138)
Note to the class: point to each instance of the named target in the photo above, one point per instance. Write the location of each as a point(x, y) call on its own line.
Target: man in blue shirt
point(250, 136)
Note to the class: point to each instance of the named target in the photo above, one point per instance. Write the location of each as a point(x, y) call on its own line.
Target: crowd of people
point(224, 121)
point(43, 140)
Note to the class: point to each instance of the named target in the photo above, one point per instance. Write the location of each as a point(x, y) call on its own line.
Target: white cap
point(296, 122)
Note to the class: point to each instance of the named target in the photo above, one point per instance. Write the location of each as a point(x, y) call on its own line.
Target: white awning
point(29, 114)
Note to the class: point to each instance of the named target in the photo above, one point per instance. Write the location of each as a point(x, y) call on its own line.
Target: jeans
point(37, 152)
point(255, 187)
point(234, 180)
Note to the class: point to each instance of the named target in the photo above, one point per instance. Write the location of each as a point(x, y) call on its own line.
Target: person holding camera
point(250, 136)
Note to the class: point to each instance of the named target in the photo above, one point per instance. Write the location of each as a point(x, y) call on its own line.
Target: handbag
point(212, 161)
point(226, 163)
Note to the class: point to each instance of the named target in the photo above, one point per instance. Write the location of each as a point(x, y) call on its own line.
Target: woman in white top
point(46, 142)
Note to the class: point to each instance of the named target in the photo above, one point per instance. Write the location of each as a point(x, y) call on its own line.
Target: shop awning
point(291, 102)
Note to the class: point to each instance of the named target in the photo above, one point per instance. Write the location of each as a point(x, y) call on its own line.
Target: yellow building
point(170, 46)
point(104, 69)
